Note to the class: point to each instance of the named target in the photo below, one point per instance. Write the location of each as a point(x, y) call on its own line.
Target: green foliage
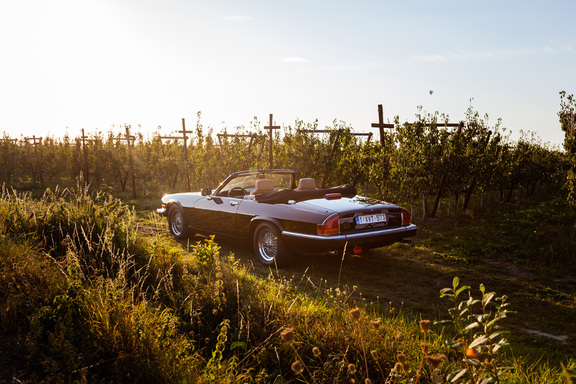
point(417, 160)
point(567, 116)
point(478, 338)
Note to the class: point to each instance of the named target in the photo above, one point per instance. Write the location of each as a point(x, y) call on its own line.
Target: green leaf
point(238, 344)
point(473, 362)
point(454, 376)
point(487, 298)
point(472, 326)
point(455, 282)
point(487, 380)
point(462, 289)
point(479, 341)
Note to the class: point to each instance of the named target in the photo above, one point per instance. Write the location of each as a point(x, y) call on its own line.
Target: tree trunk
point(468, 194)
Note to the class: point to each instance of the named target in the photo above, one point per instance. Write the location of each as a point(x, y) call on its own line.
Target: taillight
point(406, 217)
point(330, 226)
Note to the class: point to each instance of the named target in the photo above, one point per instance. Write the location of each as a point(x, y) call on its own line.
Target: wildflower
point(297, 367)
point(316, 351)
point(424, 347)
point(287, 335)
point(355, 313)
point(351, 369)
point(435, 360)
point(367, 381)
point(425, 325)
point(471, 352)
point(402, 364)
point(401, 358)
point(375, 323)
point(400, 368)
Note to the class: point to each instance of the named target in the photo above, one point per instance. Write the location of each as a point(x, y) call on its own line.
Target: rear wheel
point(268, 245)
point(177, 222)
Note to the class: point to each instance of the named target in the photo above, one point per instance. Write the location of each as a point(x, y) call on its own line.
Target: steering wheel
point(237, 191)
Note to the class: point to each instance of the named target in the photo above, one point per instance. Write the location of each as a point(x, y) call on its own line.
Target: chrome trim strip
point(351, 236)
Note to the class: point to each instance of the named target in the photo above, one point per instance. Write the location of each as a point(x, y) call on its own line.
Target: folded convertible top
point(285, 195)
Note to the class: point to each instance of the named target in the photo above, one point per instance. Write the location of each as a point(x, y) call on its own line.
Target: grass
point(109, 296)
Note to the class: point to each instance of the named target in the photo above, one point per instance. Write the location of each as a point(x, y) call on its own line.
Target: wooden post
point(38, 169)
point(270, 127)
point(128, 139)
point(130, 161)
point(85, 153)
point(380, 124)
point(184, 137)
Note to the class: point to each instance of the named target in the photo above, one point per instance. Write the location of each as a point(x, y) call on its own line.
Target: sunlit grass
point(119, 300)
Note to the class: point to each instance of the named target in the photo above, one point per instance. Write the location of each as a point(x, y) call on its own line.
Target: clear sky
point(72, 64)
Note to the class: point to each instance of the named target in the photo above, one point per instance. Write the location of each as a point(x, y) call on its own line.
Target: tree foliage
point(567, 116)
point(425, 160)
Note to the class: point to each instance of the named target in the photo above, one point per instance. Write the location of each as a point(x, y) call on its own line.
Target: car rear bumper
point(307, 243)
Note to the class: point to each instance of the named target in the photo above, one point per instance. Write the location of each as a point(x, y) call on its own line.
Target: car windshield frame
point(282, 179)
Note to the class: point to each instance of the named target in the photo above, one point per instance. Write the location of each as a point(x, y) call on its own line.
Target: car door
point(217, 214)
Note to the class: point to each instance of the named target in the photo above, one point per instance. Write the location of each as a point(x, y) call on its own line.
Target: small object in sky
point(431, 92)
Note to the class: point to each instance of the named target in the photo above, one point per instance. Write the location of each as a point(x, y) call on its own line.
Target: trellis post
point(270, 127)
point(184, 137)
point(36, 141)
point(85, 154)
point(380, 124)
point(128, 139)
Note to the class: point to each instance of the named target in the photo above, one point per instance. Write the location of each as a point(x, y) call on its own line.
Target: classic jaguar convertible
point(283, 218)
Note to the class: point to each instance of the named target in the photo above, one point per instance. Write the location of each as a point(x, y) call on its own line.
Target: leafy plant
point(479, 339)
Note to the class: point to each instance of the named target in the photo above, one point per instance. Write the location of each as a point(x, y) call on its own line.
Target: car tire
point(269, 247)
point(177, 223)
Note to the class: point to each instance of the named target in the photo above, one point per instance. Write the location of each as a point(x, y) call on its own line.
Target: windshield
point(248, 181)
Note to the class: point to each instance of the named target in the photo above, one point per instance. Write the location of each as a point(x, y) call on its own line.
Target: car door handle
point(233, 203)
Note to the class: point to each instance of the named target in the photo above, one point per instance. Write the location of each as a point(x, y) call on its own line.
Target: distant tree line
point(420, 161)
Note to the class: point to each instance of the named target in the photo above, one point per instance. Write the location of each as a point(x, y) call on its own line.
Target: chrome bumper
point(409, 230)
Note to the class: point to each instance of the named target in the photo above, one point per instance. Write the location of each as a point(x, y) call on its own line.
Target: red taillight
point(357, 250)
point(406, 217)
point(330, 226)
point(333, 196)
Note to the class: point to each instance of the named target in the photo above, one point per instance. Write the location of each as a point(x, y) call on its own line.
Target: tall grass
point(85, 297)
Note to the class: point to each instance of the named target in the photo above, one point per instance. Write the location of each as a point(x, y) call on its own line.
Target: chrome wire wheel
point(177, 222)
point(267, 245)
point(269, 248)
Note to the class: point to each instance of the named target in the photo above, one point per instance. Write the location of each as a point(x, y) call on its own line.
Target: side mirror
point(206, 191)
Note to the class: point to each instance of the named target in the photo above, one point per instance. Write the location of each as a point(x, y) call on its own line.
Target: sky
point(67, 65)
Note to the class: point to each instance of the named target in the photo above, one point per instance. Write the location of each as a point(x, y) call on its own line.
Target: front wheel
point(177, 223)
point(269, 247)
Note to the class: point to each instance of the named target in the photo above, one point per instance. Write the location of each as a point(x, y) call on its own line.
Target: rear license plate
point(371, 219)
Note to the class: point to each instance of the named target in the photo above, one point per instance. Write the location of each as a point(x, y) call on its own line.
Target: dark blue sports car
point(283, 217)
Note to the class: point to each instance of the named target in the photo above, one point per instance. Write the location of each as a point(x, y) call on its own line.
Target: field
point(94, 289)
point(206, 314)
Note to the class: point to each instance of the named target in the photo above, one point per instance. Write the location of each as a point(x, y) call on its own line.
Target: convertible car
point(282, 217)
